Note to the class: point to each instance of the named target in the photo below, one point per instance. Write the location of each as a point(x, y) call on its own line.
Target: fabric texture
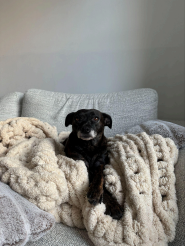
point(177, 134)
point(21, 220)
point(164, 128)
point(11, 105)
point(180, 188)
point(62, 235)
point(127, 108)
point(140, 175)
point(76, 237)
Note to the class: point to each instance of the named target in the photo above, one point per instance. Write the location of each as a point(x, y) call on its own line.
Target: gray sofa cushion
point(11, 105)
point(62, 235)
point(127, 108)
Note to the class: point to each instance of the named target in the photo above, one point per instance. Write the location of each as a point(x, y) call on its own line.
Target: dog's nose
point(86, 129)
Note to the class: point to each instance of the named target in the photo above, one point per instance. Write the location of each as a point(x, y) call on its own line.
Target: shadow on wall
point(164, 72)
point(162, 59)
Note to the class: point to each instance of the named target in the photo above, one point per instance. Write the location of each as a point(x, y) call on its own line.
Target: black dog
point(88, 143)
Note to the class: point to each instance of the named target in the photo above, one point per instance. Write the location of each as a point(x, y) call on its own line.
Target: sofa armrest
point(11, 105)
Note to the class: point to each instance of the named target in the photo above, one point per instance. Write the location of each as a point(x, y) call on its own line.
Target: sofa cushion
point(127, 108)
point(11, 105)
point(63, 235)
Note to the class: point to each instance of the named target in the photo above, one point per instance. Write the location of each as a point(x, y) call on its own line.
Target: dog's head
point(88, 123)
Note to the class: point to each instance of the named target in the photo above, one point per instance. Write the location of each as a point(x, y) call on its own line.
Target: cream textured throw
point(140, 175)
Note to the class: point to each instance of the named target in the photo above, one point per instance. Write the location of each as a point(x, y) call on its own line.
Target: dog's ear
point(107, 120)
point(69, 119)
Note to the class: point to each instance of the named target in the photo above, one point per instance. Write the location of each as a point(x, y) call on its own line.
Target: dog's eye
point(95, 118)
point(77, 119)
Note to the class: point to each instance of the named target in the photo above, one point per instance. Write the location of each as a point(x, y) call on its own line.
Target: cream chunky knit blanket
point(140, 175)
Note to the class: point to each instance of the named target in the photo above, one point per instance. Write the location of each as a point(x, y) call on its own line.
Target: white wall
point(90, 46)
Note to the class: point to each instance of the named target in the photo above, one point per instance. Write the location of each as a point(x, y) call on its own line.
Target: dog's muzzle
point(87, 136)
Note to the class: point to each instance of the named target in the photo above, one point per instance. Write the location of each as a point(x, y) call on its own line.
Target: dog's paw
point(95, 194)
point(115, 210)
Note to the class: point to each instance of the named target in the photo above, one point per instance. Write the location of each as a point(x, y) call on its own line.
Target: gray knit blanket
point(140, 175)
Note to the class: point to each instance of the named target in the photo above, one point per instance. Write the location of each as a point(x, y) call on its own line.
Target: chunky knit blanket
point(140, 175)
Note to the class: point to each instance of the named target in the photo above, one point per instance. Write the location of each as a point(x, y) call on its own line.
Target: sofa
point(128, 109)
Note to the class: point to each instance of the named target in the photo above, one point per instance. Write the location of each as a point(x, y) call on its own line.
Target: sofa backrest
point(11, 105)
point(127, 108)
